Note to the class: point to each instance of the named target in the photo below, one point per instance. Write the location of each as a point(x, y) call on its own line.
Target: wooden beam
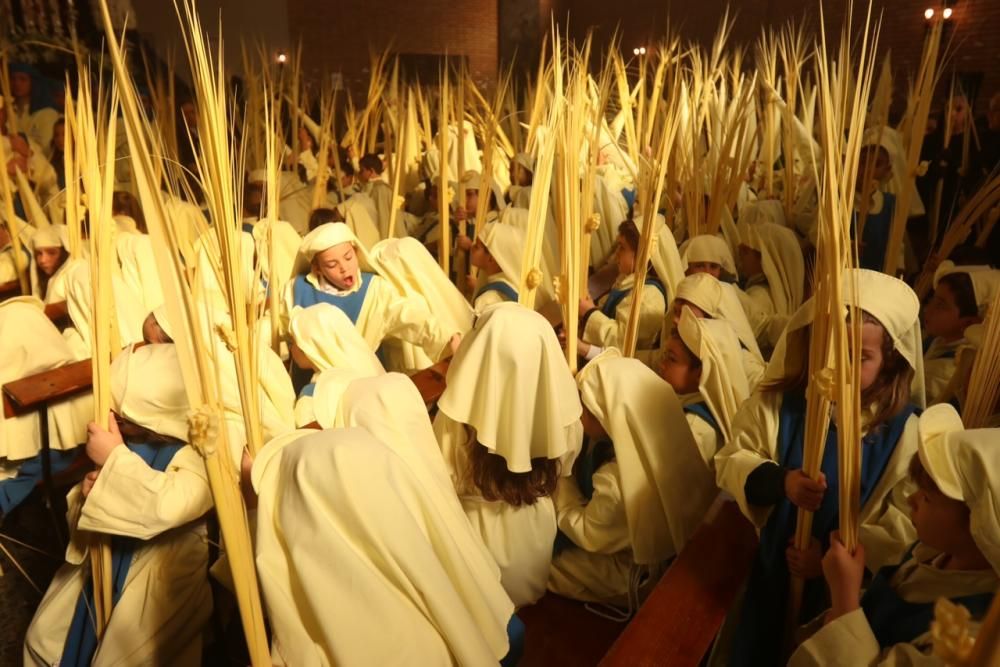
point(680, 619)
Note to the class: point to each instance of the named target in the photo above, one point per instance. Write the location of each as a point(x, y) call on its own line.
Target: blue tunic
point(304, 294)
point(893, 620)
point(762, 623)
point(81, 641)
point(616, 296)
point(875, 236)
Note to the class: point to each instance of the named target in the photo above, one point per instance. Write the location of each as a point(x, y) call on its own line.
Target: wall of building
point(338, 36)
point(973, 30)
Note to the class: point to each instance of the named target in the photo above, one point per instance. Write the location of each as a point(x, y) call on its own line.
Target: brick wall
point(975, 27)
point(337, 36)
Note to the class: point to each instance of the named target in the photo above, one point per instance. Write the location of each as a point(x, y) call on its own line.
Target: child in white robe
point(639, 489)
point(703, 364)
point(761, 467)
point(498, 254)
point(957, 556)
point(707, 297)
point(409, 580)
point(323, 339)
point(335, 268)
point(962, 296)
point(508, 425)
point(603, 323)
point(50, 264)
point(150, 495)
point(31, 344)
point(710, 254)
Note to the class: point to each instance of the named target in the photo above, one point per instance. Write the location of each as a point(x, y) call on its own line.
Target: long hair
point(888, 394)
point(496, 482)
point(43, 278)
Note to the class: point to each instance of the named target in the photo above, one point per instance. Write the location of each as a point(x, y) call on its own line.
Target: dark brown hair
point(132, 432)
point(889, 393)
point(496, 482)
point(43, 278)
point(960, 285)
point(123, 203)
point(321, 216)
point(630, 232)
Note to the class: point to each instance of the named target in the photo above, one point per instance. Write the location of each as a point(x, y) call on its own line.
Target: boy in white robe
point(957, 557)
point(639, 489)
point(154, 493)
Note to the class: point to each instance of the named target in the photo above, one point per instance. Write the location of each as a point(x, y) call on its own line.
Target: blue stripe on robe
point(304, 294)
point(508, 292)
point(761, 626)
point(893, 620)
point(81, 641)
point(616, 296)
point(14, 490)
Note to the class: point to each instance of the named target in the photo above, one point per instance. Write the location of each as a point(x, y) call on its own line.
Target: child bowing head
point(509, 426)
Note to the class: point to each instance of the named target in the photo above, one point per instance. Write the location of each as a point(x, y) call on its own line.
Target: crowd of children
point(384, 534)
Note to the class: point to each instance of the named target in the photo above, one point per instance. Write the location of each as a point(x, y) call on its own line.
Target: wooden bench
point(34, 393)
point(679, 621)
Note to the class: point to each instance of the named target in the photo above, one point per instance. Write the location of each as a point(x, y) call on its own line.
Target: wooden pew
point(431, 382)
point(33, 394)
point(679, 621)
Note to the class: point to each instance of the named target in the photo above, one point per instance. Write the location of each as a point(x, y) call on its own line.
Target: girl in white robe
point(366, 558)
point(497, 253)
point(603, 322)
point(962, 297)
point(703, 364)
point(639, 490)
point(150, 495)
point(50, 263)
point(508, 425)
point(707, 297)
point(957, 557)
point(761, 466)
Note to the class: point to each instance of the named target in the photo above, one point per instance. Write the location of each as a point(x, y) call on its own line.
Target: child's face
point(48, 259)
point(625, 257)
point(481, 257)
point(939, 520)
point(152, 332)
point(871, 353)
point(339, 265)
point(751, 261)
point(471, 200)
point(678, 367)
point(941, 315)
point(710, 268)
point(874, 163)
point(678, 307)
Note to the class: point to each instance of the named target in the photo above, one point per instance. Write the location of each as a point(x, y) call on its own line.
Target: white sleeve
point(131, 499)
